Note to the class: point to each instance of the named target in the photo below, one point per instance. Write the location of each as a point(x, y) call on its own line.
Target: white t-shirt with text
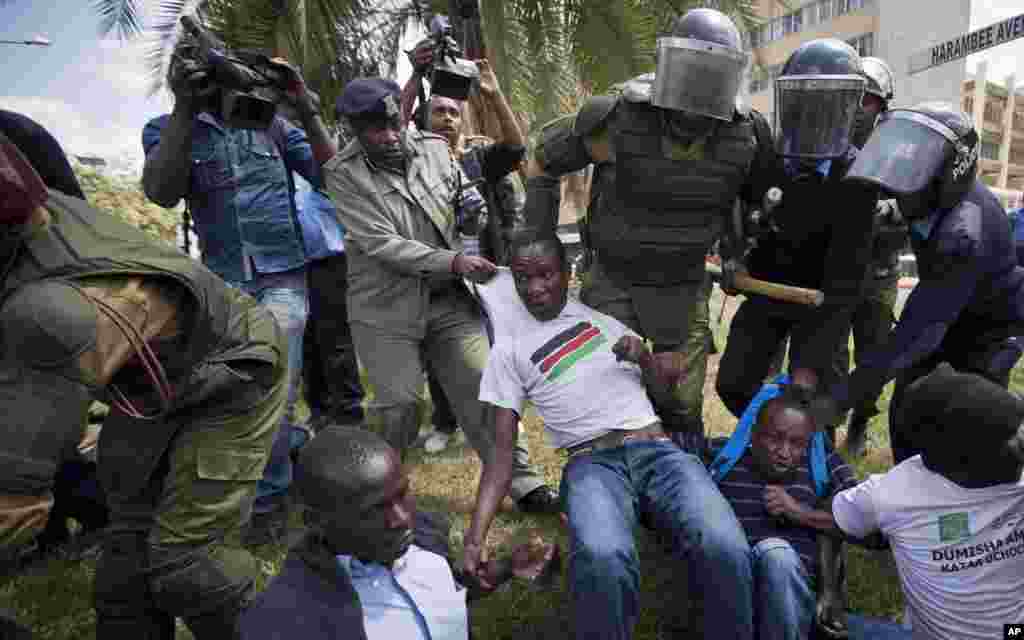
point(959, 552)
point(566, 368)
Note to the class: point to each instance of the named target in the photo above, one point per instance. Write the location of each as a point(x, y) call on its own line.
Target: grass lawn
point(55, 598)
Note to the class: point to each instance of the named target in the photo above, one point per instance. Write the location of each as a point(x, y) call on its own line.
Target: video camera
point(252, 84)
point(451, 76)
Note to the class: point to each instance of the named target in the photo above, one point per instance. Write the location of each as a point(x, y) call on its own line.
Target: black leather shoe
point(543, 499)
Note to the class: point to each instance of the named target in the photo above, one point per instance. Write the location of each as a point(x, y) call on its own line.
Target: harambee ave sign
point(964, 45)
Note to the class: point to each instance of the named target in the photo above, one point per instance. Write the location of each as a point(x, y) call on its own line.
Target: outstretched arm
point(494, 485)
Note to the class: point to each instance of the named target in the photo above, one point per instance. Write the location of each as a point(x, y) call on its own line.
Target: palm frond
point(120, 16)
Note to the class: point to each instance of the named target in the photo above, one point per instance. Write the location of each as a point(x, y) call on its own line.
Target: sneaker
point(437, 442)
point(542, 500)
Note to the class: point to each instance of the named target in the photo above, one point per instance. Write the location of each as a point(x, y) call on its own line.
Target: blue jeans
point(607, 493)
point(285, 296)
point(784, 601)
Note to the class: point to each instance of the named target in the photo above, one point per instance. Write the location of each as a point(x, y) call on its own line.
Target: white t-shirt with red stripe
point(566, 368)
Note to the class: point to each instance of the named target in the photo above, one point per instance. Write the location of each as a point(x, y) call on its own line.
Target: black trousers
point(330, 369)
point(969, 348)
point(758, 329)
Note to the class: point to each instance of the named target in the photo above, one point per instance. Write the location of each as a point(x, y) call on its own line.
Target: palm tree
point(332, 41)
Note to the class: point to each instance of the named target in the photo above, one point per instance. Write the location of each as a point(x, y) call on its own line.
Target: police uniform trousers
point(456, 348)
point(172, 549)
point(969, 347)
point(673, 318)
point(870, 325)
point(758, 328)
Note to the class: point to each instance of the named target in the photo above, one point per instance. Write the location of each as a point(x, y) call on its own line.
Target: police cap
point(369, 99)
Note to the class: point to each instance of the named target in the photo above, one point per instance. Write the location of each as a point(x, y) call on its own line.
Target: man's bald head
point(358, 493)
point(340, 464)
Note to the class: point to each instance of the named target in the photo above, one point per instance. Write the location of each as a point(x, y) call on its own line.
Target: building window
point(989, 150)
point(810, 14)
point(824, 10)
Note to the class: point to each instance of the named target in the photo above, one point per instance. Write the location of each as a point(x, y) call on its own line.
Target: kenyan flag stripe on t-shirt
point(568, 348)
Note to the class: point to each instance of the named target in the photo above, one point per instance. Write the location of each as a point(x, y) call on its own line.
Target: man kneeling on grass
point(586, 374)
point(372, 567)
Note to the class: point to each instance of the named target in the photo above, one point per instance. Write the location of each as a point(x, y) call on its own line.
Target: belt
point(618, 438)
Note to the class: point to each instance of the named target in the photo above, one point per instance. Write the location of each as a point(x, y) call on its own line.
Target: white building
point(889, 29)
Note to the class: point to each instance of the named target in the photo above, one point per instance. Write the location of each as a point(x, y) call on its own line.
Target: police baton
point(784, 292)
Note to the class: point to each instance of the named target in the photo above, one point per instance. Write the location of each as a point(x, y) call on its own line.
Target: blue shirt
point(240, 195)
point(322, 231)
point(416, 599)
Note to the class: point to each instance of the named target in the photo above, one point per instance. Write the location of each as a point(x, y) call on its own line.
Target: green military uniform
point(405, 303)
point(657, 206)
point(179, 466)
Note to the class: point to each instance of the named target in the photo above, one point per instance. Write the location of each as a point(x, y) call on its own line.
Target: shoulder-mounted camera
point(451, 75)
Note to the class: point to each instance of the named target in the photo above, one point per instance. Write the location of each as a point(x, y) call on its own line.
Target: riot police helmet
point(926, 157)
point(700, 66)
point(878, 93)
point(881, 81)
point(817, 96)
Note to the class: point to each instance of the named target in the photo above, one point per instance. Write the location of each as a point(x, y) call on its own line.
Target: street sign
point(964, 45)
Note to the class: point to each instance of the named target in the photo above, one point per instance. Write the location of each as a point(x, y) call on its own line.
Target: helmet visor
point(698, 77)
point(814, 114)
point(903, 154)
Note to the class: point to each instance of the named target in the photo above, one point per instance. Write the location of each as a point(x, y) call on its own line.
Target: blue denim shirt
point(240, 196)
point(322, 231)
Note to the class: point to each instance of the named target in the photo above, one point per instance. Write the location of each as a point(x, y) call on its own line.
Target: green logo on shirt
point(953, 527)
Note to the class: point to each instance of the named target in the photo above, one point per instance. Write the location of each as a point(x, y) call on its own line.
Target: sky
point(92, 94)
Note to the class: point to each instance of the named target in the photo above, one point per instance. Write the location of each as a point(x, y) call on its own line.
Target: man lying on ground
point(372, 567)
point(585, 373)
point(954, 515)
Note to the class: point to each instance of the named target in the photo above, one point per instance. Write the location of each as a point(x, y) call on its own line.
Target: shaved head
point(340, 464)
point(357, 492)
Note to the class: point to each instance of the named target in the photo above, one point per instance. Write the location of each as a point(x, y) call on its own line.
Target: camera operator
point(237, 183)
point(493, 161)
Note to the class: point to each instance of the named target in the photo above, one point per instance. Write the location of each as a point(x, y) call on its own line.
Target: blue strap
point(740, 440)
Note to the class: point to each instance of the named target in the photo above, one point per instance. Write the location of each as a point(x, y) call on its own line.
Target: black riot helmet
point(700, 66)
point(926, 157)
point(817, 95)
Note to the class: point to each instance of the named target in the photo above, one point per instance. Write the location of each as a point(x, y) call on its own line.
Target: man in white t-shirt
point(954, 515)
point(587, 375)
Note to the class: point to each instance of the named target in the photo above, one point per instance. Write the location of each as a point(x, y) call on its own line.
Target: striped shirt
point(744, 489)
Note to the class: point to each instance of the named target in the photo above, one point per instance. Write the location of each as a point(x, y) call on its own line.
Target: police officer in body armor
point(874, 316)
point(968, 307)
point(671, 157)
point(195, 373)
point(820, 233)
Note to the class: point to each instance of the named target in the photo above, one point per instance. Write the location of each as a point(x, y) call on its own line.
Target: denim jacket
point(240, 195)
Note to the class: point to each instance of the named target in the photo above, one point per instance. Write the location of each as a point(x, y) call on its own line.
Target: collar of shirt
point(793, 169)
point(417, 598)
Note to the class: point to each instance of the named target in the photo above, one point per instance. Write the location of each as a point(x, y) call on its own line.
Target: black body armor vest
point(658, 215)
